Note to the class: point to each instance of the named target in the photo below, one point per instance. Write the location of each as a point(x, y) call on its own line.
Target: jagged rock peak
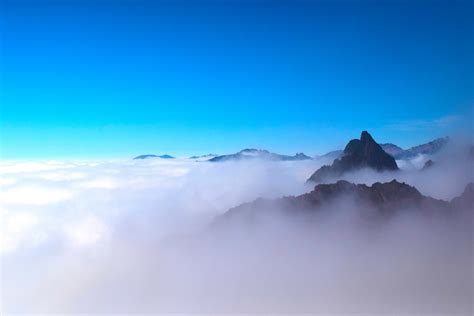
point(358, 153)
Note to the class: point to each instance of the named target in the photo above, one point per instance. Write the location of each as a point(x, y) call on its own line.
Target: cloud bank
point(132, 236)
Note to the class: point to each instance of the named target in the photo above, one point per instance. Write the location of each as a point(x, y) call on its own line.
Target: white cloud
point(113, 236)
point(86, 232)
point(34, 195)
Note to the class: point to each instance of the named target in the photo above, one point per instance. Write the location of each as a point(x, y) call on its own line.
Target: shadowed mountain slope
point(377, 201)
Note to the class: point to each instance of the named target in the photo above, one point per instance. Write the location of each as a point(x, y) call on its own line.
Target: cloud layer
point(131, 236)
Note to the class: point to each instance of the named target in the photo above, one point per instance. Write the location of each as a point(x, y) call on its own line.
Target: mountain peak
point(366, 137)
point(358, 153)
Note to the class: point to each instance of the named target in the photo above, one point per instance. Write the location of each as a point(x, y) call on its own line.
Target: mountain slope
point(377, 201)
point(429, 148)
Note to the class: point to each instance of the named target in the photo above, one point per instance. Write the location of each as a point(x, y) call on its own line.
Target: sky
point(115, 79)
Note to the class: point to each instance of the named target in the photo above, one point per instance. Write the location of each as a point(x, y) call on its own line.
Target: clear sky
point(90, 79)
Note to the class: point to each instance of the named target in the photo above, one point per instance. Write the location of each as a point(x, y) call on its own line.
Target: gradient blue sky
point(90, 79)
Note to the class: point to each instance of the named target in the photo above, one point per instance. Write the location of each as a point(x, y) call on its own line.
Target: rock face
point(153, 156)
point(247, 154)
point(381, 200)
point(359, 153)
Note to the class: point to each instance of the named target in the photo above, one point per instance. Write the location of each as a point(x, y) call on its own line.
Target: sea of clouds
point(130, 236)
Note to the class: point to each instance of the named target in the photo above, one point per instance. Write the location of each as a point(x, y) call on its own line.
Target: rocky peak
point(358, 153)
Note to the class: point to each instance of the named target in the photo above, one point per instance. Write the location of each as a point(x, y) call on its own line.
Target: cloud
point(34, 195)
point(131, 237)
point(86, 232)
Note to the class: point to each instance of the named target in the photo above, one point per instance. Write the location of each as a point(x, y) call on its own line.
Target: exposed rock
point(357, 154)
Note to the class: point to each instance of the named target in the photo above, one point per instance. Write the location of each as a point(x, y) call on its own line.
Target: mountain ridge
point(252, 153)
point(378, 200)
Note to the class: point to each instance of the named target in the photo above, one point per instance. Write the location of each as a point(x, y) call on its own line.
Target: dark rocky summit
point(381, 200)
point(153, 156)
point(359, 153)
point(248, 154)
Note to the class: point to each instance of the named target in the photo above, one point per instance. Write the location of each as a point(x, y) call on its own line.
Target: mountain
point(428, 164)
point(392, 149)
point(204, 157)
point(377, 201)
point(247, 154)
point(466, 199)
point(359, 153)
point(331, 155)
point(429, 148)
point(154, 156)
point(399, 153)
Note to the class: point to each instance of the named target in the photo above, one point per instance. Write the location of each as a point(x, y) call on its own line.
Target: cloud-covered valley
point(132, 236)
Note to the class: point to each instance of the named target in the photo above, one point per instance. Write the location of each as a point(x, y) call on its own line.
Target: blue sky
point(90, 79)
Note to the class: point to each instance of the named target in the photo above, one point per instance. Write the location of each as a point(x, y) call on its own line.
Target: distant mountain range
point(154, 156)
point(359, 153)
point(247, 154)
point(426, 149)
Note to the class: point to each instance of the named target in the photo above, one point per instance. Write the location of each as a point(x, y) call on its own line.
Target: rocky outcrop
point(359, 153)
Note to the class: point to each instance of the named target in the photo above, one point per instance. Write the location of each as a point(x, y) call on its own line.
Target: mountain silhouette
point(359, 153)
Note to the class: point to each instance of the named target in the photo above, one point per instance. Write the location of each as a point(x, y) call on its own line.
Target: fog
point(134, 236)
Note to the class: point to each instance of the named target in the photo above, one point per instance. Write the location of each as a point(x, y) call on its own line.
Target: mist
point(138, 237)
